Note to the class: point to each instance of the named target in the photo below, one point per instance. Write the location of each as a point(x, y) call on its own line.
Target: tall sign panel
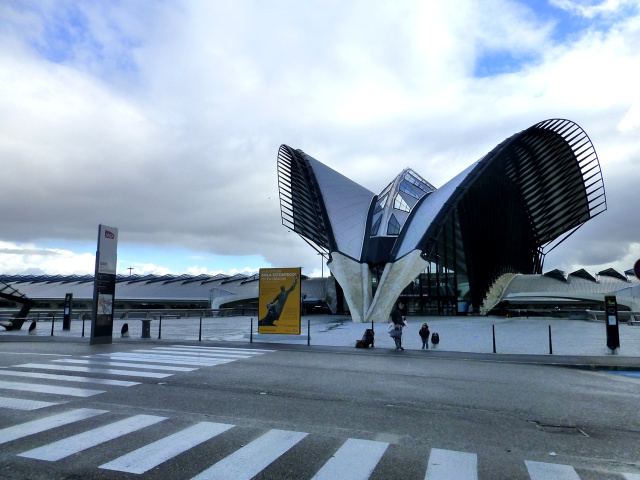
point(104, 285)
point(279, 301)
point(611, 316)
point(66, 319)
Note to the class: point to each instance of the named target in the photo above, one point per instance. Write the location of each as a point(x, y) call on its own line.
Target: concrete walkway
point(576, 342)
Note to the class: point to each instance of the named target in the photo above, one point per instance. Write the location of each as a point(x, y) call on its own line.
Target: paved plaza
point(528, 338)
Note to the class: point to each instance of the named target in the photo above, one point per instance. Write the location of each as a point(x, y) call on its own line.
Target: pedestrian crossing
point(77, 430)
point(115, 369)
point(354, 459)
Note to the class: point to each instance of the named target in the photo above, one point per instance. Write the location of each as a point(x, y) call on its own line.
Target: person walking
point(424, 335)
point(398, 323)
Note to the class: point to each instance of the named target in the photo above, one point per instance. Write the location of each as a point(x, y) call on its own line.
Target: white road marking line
point(69, 378)
point(167, 359)
point(545, 471)
point(47, 423)
point(355, 460)
point(254, 457)
point(77, 443)
point(152, 455)
point(191, 353)
point(33, 354)
point(109, 371)
point(104, 363)
point(225, 349)
point(631, 476)
point(40, 388)
point(211, 350)
point(452, 465)
point(23, 404)
point(188, 357)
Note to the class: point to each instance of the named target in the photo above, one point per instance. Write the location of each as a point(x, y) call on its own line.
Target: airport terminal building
point(500, 216)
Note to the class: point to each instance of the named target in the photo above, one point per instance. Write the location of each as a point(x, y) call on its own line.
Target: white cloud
point(165, 119)
point(28, 258)
point(631, 119)
point(592, 9)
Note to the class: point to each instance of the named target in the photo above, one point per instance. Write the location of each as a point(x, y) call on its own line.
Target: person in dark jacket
point(397, 318)
point(424, 335)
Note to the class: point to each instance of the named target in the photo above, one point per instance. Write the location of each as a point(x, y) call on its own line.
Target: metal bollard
point(53, 319)
point(160, 329)
point(550, 344)
point(308, 332)
point(251, 332)
point(373, 340)
point(200, 331)
point(493, 327)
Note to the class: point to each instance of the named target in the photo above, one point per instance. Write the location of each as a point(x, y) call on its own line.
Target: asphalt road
point(231, 410)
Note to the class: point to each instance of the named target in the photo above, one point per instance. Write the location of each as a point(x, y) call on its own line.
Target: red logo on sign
point(108, 234)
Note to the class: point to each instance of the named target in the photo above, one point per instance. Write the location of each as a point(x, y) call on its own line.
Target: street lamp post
point(322, 264)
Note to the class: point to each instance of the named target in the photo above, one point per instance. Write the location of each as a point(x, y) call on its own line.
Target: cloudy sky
point(164, 118)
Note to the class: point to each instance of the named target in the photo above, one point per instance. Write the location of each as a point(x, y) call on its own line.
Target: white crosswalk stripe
point(37, 426)
point(201, 353)
point(68, 378)
point(41, 388)
point(105, 363)
point(23, 404)
point(251, 459)
point(77, 443)
point(452, 465)
point(221, 349)
point(355, 460)
point(545, 471)
point(168, 359)
point(152, 455)
point(108, 371)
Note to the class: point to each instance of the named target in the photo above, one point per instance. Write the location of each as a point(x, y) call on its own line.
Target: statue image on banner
point(279, 300)
point(274, 308)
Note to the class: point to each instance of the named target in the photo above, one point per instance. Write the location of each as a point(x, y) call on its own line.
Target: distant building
point(450, 245)
point(155, 292)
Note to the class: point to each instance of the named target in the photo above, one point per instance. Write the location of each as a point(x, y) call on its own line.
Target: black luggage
point(367, 338)
point(435, 338)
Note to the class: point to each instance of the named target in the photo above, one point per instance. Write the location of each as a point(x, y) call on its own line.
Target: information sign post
point(104, 286)
point(66, 319)
point(611, 320)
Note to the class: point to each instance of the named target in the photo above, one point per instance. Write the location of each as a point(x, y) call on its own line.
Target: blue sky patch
point(568, 26)
point(501, 62)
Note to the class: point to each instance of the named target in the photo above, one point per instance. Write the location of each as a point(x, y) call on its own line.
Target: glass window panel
point(376, 226)
point(400, 204)
point(393, 228)
point(381, 204)
point(404, 187)
point(422, 185)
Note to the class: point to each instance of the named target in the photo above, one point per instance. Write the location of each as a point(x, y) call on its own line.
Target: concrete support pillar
point(355, 280)
point(395, 277)
point(352, 277)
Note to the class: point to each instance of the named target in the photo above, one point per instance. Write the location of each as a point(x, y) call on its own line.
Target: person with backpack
point(424, 335)
point(395, 330)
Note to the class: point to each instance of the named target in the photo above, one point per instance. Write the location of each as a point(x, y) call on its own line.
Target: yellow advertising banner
point(279, 301)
